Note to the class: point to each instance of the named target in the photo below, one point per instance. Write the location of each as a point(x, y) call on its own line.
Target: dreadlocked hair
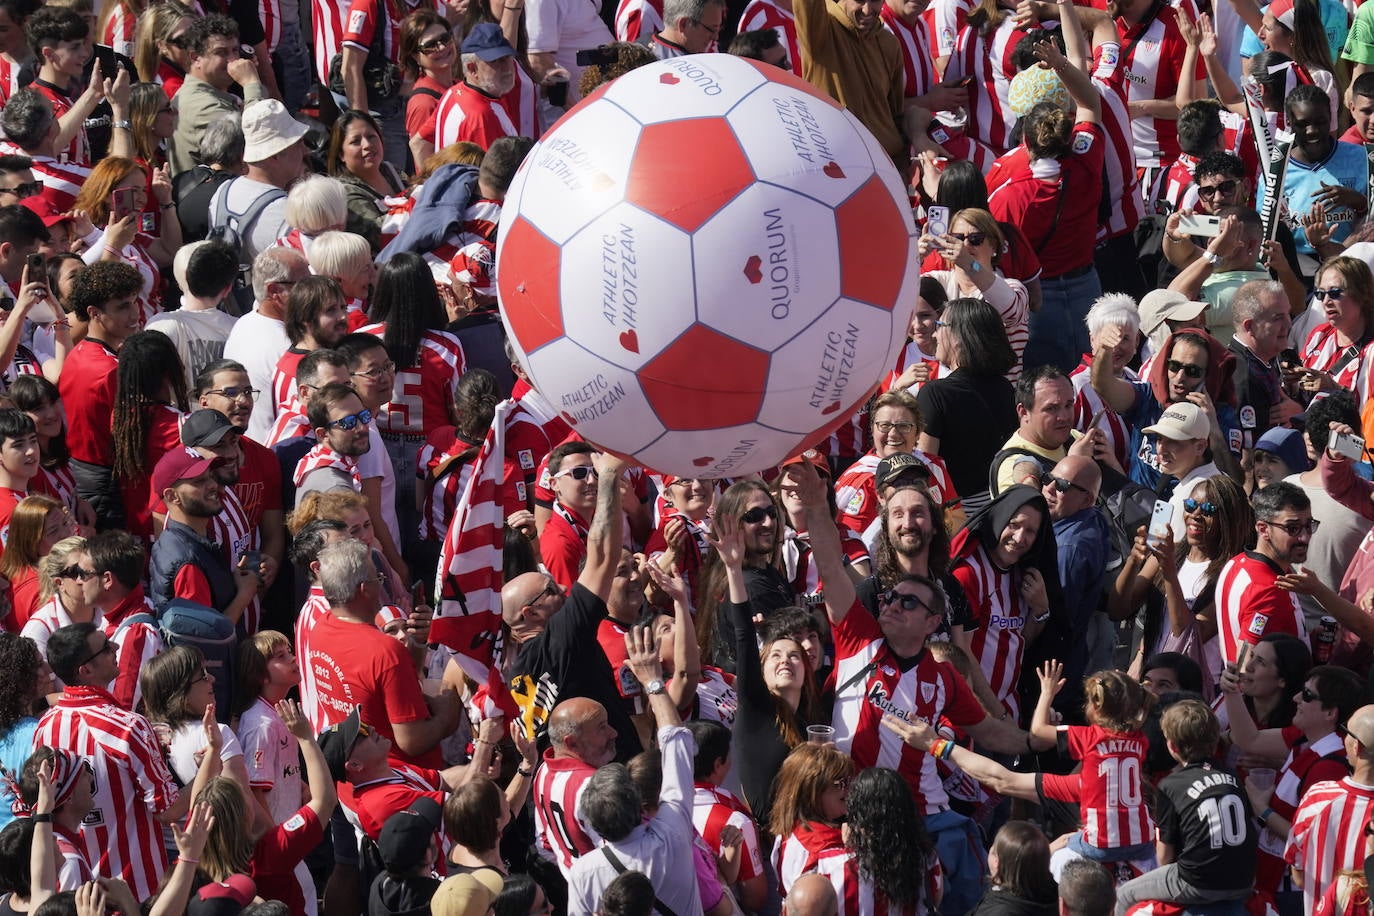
point(149, 369)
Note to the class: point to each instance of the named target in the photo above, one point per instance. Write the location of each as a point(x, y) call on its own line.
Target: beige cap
point(1181, 422)
point(467, 895)
point(1163, 305)
point(268, 128)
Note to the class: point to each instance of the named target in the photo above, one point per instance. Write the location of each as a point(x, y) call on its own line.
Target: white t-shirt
point(258, 342)
point(566, 27)
point(190, 738)
point(272, 756)
point(377, 463)
point(199, 336)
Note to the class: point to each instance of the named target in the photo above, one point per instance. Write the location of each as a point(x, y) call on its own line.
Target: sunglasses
point(1308, 695)
point(1297, 529)
point(76, 572)
point(1226, 187)
point(1063, 485)
point(579, 473)
point(1333, 293)
point(1192, 505)
point(907, 602)
point(757, 514)
point(352, 421)
point(1187, 369)
point(434, 44)
point(29, 189)
point(973, 238)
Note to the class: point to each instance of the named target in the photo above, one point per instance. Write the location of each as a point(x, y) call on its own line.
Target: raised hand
point(1051, 676)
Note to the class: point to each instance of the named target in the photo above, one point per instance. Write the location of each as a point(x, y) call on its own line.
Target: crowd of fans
point(1074, 616)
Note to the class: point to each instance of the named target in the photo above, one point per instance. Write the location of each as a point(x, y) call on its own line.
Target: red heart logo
point(753, 268)
point(833, 169)
point(567, 418)
point(668, 79)
point(831, 409)
point(630, 340)
point(702, 462)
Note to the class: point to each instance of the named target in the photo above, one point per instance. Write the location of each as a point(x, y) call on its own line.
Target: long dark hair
point(983, 345)
point(1292, 661)
point(711, 592)
point(406, 299)
point(19, 664)
point(888, 836)
point(147, 362)
point(937, 554)
point(962, 186)
point(1023, 862)
point(34, 392)
point(340, 130)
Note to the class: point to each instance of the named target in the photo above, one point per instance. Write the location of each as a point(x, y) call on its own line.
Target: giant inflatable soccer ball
point(707, 265)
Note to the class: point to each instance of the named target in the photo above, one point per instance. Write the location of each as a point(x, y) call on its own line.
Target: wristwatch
point(655, 687)
point(1211, 257)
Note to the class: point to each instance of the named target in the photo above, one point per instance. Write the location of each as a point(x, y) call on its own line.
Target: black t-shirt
point(1259, 387)
point(768, 591)
point(957, 611)
point(1203, 812)
point(949, 408)
point(566, 661)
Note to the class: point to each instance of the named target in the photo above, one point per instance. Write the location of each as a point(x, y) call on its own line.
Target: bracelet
point(125, 125)
point(42, 818)
point(167, 206)
point(109, 250)
point(188, 861)
point(1264, 815)
point(521, 771)
point(938, 747)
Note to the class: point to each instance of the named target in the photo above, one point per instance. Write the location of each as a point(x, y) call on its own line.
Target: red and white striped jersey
point(422, 397)
point(470, 115)
point(9, 77)
point(1307, 764)
point(1249, 604)
point(798, 853)
point(327, 20)
point(321, 457)
point(1322, 351)
point(715, 806)
point(1174, 189)
point(73, 869)
point(363, 20)
point(998, 646)
point(78, 152)
point(234, 534)
point(269, 14)
point(57, 482)
point(946, 18)
point(636, 19)
point(441, 500)
point(1114, 811)
point(910, 355)
point(766, 14)
point(288, 425)
point(1087, 403)
point(119, 30)
point(561, 834)
point(522, 105)
point(987, 58)
point(315, 607)
point(857, 896)
point(132, 783)
point(716, 699)
point(1118, 162)
point(803, 575)
point(61, 180)
point(857, 495)
point(1153, 72)
point(283, 392)
point(1328, 834)
point(138, 642)
point(850, 438)
point(917, 62)
point(870, 683)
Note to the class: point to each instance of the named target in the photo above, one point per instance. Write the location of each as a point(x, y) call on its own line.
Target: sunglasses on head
point(1187, 369)
point(1192, 505)
point(757, 514)
point(579, 473)
point(352, 421)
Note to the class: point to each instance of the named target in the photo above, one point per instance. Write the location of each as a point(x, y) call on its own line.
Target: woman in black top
point(777, 697)
point(1019, 862)
point(970, 339)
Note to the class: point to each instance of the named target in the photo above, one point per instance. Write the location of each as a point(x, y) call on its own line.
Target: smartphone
point(1097, 418)
point(251, 560)
point(1160, 532)
point(1242, 655)
point(964, 83)
point(1349, 445)
point(937, 221)
point(417, 592)
point(38, 272)
point(1200, 224)
point(122, 202)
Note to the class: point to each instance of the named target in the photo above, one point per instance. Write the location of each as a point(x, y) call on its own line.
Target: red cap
point(179, 464)
point(45, 210)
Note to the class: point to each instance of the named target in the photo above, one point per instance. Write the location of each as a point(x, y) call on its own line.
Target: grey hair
point(315, 204)
point(339, 254)
point(611, 802)
point(272, 265)
point(1248, 300)
point(222, 143)
point(693, 10)
point(344, 566)
point(26, 118)
point(1114, 309)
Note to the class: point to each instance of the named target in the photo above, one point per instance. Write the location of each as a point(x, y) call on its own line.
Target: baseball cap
point(894, 467)
point(206, 427)
point(1163, 305)
point(1287, 446)
point(1181, 422)
point(336, 742)
point(268, 128)
point(488, 42)
point(45, 209)
point(467, 895)
point(816, 458)
point(223, 898)
point(177, 465)
point(407, 834)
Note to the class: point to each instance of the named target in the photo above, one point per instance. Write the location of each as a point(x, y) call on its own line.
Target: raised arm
point(1118, 393)
point(1244, 733)
point(606, 533)
point(686, 650)
point(323, 795)
point(990, 773)
point(176, 891)
point(1079, 84)
point(1051, 682)
point(43, 855)
point(825, 539)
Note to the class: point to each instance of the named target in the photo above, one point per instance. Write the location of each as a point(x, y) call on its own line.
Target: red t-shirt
point(259, 486)
point(358, 665)
point(279, 851)
point(420, 108)
point(8, 500)
point(563, 549)
point(87, 386)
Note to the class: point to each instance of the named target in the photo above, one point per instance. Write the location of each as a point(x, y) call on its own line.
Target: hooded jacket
point(1221, 369)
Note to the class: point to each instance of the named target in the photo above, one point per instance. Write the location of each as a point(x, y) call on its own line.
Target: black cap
point(337, 742)
point(407, 834)
point(894, 467)
point(206, 427)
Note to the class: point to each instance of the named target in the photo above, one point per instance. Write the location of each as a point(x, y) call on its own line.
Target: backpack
point(186, 623)
point(1046, 464)
point(230, 228)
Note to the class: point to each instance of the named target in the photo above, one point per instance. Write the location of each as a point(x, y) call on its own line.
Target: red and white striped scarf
point(321, 457)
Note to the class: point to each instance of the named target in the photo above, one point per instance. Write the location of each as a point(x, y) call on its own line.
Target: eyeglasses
point(550, 591)
point(1211, 190)
point(757, 514)
point(351, 421)
point(434, 44)
point(713, 31)
point(973, 238)
point(842, 784)
point(904, 427)
point(234, 393)
point(386, 368)
point(907, 602)
point(579, 473)
point(203, 676)
point(103, 650)
point(28, 189)
point(1333, 294)
point(941, 324)
point(1188, 369)
point(76, 572)
point(689, 481)
point(1192, 505)
point(1063, 485)
point(1297, 529)
point(1308, 696)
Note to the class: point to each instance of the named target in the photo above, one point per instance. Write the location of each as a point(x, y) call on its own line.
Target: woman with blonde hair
point(346, 258)
point(159, 54)
point(70, 590)
point(351, 508)
point(315, 205)
point(810, 801)
point(122, 240)
point(37, 524)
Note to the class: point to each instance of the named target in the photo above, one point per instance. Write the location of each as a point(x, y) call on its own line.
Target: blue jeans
point(1118, 854)
point(293, 67)
point(1058, 331)
point(960, 848)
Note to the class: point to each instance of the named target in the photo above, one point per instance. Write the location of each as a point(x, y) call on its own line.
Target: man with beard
point(471, 110)
point(185, 563)
point(316, 319)
point(1249, 601)
point(342, 432)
